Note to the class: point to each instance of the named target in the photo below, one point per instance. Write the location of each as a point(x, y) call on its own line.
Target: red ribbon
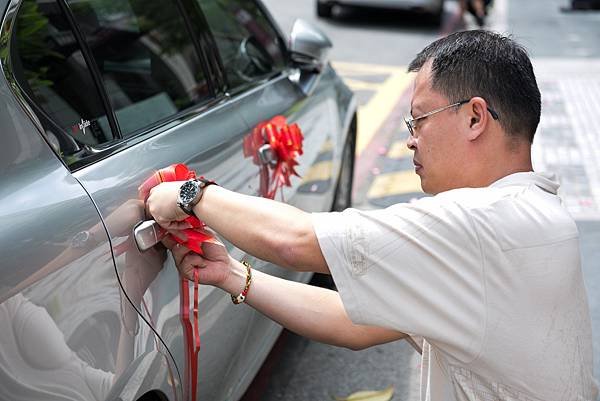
point(179, 172)
point(285, 142)
point(194, 238)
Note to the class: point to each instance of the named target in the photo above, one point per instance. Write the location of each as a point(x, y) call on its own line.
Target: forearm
point(270, 230)
point(312, 312)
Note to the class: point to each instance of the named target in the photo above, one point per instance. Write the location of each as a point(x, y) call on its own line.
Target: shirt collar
point(546, 181)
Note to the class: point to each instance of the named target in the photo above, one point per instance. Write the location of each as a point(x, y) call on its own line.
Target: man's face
point(436, 141)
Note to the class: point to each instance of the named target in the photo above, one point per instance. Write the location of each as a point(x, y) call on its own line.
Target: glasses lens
point(409, 126)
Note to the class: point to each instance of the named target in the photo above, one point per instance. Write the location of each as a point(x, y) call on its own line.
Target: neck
point(501, 164)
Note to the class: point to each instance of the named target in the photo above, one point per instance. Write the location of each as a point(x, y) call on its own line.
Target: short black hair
point(486, 64)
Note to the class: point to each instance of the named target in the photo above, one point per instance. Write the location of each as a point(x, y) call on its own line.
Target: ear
point(478, 116)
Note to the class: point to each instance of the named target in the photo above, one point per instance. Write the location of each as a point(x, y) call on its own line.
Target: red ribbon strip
point(194, 238)
point(285, 142)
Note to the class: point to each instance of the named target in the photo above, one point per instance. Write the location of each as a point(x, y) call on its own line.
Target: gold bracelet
point(242, 296)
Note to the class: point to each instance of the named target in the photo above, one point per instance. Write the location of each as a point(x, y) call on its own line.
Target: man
point(478, 8)
point(487, 271)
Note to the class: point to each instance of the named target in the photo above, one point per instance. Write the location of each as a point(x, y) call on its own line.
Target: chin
point(429, 189)
point(425, 188)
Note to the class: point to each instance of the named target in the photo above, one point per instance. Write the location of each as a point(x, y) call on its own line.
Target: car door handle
point(147, 234)
point(267, 155)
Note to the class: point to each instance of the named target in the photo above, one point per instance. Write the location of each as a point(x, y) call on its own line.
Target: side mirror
point(308, 49)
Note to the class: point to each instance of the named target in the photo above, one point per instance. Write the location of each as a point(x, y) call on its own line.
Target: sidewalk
point(568, 138)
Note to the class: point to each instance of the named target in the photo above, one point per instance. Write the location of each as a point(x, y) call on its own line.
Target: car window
point(249, 46)
point(146, 57)
point(49, 66)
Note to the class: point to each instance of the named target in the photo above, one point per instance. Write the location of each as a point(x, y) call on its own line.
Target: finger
point(174, 225)
point(179, 234)
point(192, 260)
point(169, 242)
point(188, 267)
point(209, 232)
point(153, 204)
point(164, 223)
point(214, 250)
point(181, 224)
point(149, 203)
point(179, 252)
point(214, 240)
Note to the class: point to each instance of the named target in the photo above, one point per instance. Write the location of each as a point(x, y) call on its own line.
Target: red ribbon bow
point(179, 172)
point(195, 236)
point(285, 142)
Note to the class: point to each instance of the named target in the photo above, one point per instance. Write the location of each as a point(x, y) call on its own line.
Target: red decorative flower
point(284, 145)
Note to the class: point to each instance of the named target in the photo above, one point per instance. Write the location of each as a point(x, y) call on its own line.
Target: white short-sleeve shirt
point(489, 277)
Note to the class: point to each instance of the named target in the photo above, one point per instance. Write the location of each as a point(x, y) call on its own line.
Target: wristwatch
point(190, 194)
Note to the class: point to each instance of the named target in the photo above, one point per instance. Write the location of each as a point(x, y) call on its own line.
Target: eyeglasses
point(411, 122)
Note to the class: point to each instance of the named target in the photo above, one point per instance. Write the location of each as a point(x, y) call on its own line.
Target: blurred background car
point(585, 4)
point(95, 97)
point(433, 8)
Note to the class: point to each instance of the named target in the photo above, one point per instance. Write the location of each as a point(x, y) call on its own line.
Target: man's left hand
point(162, 206)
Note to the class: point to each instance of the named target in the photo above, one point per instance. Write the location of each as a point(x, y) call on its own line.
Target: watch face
point(188, 192)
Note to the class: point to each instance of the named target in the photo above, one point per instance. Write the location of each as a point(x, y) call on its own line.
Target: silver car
point(95, 97)
point(434, 8)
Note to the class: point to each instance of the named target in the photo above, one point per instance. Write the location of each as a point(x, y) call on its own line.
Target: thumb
point(215, 250)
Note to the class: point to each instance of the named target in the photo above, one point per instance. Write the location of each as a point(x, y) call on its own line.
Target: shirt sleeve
point(415, 268)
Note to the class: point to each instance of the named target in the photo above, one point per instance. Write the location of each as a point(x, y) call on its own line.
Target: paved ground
point(307, 370)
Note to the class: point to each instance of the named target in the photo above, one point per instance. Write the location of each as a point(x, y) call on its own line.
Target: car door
point(250, 48)
point(67, 329)
point(204, 130)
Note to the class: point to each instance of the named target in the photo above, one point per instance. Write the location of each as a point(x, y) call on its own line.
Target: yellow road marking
point(397, 183)
point(373, 114)
point(318, 172)
point(362, 73)
point(370, 69)
point(327, 146)
point(356, 84)
point(398, 150)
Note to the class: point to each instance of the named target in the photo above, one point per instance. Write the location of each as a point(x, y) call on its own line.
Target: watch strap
point(202, 184)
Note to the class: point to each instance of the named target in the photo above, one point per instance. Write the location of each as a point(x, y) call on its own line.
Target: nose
point(411, 143)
